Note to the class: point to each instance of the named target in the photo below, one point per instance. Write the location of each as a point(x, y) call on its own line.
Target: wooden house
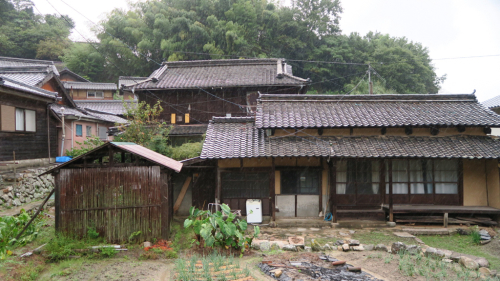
point(363, 156)
point(27, 130)
point(118, 188)
point(194, 91)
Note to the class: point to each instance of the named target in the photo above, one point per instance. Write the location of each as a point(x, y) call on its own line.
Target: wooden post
point(333, 189)
point(391, 210)
point(445, 220)
point(218, 191)
point(57, 202)
point(272, 190)
point(164, 210)
point(461, 182)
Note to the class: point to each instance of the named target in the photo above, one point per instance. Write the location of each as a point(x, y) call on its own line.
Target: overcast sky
point(448, 28)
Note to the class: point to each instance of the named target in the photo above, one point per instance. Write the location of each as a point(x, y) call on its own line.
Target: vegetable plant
point(10, 227)
point(220, 228)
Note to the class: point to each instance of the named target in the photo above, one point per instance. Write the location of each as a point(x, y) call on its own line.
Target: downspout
point(63, 131)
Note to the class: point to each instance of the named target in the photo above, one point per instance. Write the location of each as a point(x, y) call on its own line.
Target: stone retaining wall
point(25, 186)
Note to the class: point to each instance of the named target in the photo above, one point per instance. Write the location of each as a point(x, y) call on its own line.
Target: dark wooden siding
point(116, 201)
point(203, 106)
point(31, 145)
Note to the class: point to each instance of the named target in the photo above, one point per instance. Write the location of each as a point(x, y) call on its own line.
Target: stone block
point(413, 249)
point(484, 271)
point(307, 249)
point(468, 263)
point(290, 248)
point(147, 244)
point(353, 242)
point(368, 247)
point(381, 247)
point(265, 246)
point(358, 248)
point(398, 247)
point(345, 247)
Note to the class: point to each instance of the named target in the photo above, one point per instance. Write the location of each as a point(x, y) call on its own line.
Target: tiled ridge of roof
point(14, 84)
point(74, 74)
point(244, 140)
point(79, 112)
point(221, 73)
point(180, 130)
point(105, 106)
point(340, 111)
point(19, 62)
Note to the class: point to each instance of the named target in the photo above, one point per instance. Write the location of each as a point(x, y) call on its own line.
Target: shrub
point(86, 146)
point(476, 237)
point(10, 227)
point(108, 252)
point(216, 230)
point(186, 151)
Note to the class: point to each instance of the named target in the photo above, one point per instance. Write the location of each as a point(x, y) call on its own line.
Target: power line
point(470, 57)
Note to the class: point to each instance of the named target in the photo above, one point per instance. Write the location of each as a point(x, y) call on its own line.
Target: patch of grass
point(461, 244)
point(63, 246)
point(380, 237)
point(211, 267)
point(183, 237)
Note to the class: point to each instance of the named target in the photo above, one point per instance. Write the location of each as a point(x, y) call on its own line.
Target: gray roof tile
point(221, 73)
point(105, 106)
point(198, 129)
point(241, 139)
point(314, 111)
point(17, 62)
point(79, 112)
point(492, 103)
point(13, 84)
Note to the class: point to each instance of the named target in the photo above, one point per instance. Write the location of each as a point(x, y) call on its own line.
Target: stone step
point(360, 224)
point(303, 222)
point(428, 231)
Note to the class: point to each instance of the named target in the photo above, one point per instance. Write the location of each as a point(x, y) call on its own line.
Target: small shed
point(118, 188)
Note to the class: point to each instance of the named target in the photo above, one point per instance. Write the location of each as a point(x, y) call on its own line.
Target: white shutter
point(30, 120)
point(19, 119)
point(7, 118)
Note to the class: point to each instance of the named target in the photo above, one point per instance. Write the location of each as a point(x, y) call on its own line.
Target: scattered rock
point(434, 253)
point(339, 243)
point(358, 248)
point(343, 234)
point(381, 247)
point(265, 246)
point(391, 224)
point(308, 249)
point(278, 273)
point(368, 247)
point(397, 247)
point(327, 247)
point(290, 248)
point(419, 241)
point(482, 262)
point(353, 242)
point(484, 235)
point(16, 202)
point(352, 232)
point(447, 260)
point(345, 247)
point(484, 271)
point(314, 229)
point(147, 244)
point(275, 246)
point(413, 249)
point(255, 245)
point(316, 247)
point(468, 263)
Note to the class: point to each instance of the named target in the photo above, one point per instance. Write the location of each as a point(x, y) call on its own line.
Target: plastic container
point(62, 159)
point(254, 211)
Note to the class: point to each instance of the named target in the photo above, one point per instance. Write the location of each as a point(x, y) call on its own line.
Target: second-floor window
point(79, 130)
point(95, 94)
point(89, 131)
point(25, 120)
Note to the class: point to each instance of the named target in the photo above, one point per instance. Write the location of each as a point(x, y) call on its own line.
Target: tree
point(27, 35)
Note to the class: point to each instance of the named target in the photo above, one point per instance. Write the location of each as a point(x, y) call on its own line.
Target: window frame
point(88, 131)
point(238, 179)
point(95, 94)
point(298, 188)
point(76, 130)
point(25, 121)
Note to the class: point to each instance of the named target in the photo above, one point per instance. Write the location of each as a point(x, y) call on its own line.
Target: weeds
point(212, 267)
point(476, 237)
point(108, 252)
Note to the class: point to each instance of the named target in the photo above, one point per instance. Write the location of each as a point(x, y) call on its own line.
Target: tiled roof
point(89, 86)
point(492, 103)
point(13, 84)
point(17, 62)
point(129, 80)
point(242, 139)
point(222, 73)
point(198, 129)
point(81, 113)
point(106, 106)
point(314, 111)
point(29, 75)
point(71, 73)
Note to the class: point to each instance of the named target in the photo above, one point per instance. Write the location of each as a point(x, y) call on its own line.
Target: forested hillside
point(307, 34)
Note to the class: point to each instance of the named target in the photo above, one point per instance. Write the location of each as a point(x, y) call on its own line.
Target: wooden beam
point(272, 190)
point(391, 207)
point(184, 189)
point(333, 189)
point(164, 209)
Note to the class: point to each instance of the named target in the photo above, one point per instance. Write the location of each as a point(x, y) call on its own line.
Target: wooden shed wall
point(116, 201)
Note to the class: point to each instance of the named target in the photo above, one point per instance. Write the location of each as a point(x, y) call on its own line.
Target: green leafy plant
point(92, 232)
point(476, 237)
point(134, 235)
point(85, 146)
point(108, 252)
point(10, 227)
point(220, 228)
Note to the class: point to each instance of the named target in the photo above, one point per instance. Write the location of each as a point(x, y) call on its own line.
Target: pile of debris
point(329, 269)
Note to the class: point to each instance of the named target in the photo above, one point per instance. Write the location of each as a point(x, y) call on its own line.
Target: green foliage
point(86, 146)
point(10, 227)
point(134, 235)
point(476, 237)
point(92, 233)
point(186, 151)
point(85, 60)
point(220, 228)
point(62, 246)
point(25, 34)
point(183, 237)
point(108, 252)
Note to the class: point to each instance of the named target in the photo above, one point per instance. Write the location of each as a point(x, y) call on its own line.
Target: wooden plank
point(184, 189)
point(391, 205)
point(164, 194)
point(272, 191)
point(485, 222)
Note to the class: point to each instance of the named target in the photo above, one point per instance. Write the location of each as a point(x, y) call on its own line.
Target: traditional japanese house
point(194, 91)
point(118, 188)
point(363, 156)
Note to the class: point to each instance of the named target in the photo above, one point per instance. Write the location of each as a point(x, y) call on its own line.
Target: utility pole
point(370, 79)
point(63, 133)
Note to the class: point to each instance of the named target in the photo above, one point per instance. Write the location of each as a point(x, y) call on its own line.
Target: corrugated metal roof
point(222, 73)
point(106, 106)
point(89, 86)
point(337, 111)
point(9, 83)
point(150, 155)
